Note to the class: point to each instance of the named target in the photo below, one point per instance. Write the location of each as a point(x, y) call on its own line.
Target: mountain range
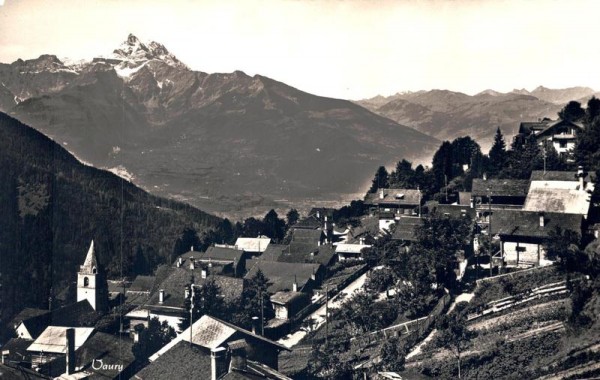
point(446, 114)
point(53, 206)
point(228, 143)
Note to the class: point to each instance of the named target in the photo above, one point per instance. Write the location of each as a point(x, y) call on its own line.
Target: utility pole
point(262, 315)
point(544, 155)
point(419, 190)
point(191, 311)
point(446, 186)
point(490, 230)
point(326, 315)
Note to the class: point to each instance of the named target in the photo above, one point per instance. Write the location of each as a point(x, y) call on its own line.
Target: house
point(52, 343)
point(288, 304)
point(316, 218)
point(185, 361)
point(222, 259)
point(455, 211)
point(302, 277)
point(167, 302)
point(15, 352)
point(395, 201)
point(30, 323)
point(523, 233)
point(561, 134)
point(253, 246)
point(102, 356)
point(560, 192)
point(214, 336)
point(495, 194)
point(349, 251)
point(140, 289)
point(406, 230)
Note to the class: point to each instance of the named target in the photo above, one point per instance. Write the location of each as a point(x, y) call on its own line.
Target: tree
point(572, 111)
point(454, 334)
point(187, 240)
point(151, 339)
point(273, 226)
point(292, 217)
point(404, 176)
point(206, 299)
point(381, 180)
point(253, 227)
point(393, 355)
point(497, 153)
point(563, 245)
point(255, 301)
point(325, 363)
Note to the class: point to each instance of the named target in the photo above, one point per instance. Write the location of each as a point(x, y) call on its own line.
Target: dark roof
point(300, 252)
point(527, 223)
point(408, 197)
point(281, 274)
point(552, 125)
point(321, 212)
point(17, 348)
point(311, 222)
point(307, 236)
point(455, 211)
point(285, 298)
point(9, 372)
point(539, 175)
point(255, 370)
point(177, 279)
point(406, 228)
point(183, 361)
point(111, 349)
point(526, 127)
point(215, 253)
point(500, 187)
point(27, 313)
point(142, 284)
point(78, 314)
point(273, 251)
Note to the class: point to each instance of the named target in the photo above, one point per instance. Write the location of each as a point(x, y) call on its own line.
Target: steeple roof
point(90, 265)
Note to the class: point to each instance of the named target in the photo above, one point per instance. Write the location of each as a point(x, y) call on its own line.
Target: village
point(337, 295)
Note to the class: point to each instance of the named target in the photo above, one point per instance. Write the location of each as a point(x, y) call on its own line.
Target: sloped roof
point(558, 123)
point(27, 313)
point(111, 349)
point(142, 284)
point(500, 187)
point(10, 372)
point(17, 348)
point(258, 244)
point(215, 253)
point(455, 211)
point(307, 236)
point(178, 279)
point(558, 196)
point(182, 361)
point(526, 127)
point(409, 197)
point(281, 274)
point(54, 339)
point(274, 251)
point(255, 371)
point(350, 248)
point(210, 332)
point(284, 298)
point(310, 222)
point(406, 228)
point(78, 314)
point(299, 252)
point(527, 223)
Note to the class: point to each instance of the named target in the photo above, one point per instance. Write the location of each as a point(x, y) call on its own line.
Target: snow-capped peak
point(134, 52)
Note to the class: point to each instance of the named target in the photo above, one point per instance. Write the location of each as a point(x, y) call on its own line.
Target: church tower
point(91, 283)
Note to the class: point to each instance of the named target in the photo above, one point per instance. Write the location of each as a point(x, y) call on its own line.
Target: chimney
point(4, 354)
point(70, 358)
point(295, 285)
point(204, 273)
point(361, 241)
point(192, 264)
point(136, 336)
point(187, 293)
point(218, 363)
point(484, 176)
point(381, 194)
point(255, 325)
point(179, 262)
point(541, 219)
point(161, 296)
point(318, 214)
point(581, 176)
point(238, 355)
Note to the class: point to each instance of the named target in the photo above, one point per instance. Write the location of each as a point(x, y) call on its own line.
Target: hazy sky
point(346, 49)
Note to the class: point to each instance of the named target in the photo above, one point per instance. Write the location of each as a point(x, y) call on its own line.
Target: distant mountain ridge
point(224, 142)
point(447, 114)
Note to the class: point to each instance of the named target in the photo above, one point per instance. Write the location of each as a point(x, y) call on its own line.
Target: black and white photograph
point(299, 189)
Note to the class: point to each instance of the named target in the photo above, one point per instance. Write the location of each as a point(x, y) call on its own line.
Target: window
point(521, 249)
point(563, 144)
point(86, 282)
point(94, 270)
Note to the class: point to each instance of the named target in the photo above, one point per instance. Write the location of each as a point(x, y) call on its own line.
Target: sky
point(351, 49)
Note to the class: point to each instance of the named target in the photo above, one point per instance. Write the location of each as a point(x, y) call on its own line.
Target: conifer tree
point(497, 153)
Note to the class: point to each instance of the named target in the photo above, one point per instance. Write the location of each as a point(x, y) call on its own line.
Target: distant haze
point(345, 49)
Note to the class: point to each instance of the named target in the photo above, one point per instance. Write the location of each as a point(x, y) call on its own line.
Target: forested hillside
point(52, 206)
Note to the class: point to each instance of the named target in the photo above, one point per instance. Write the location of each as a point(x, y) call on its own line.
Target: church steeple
point(90, 265)
point(91, 283)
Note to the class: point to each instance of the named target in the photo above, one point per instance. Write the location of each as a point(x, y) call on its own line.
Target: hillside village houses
point(560, 134)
